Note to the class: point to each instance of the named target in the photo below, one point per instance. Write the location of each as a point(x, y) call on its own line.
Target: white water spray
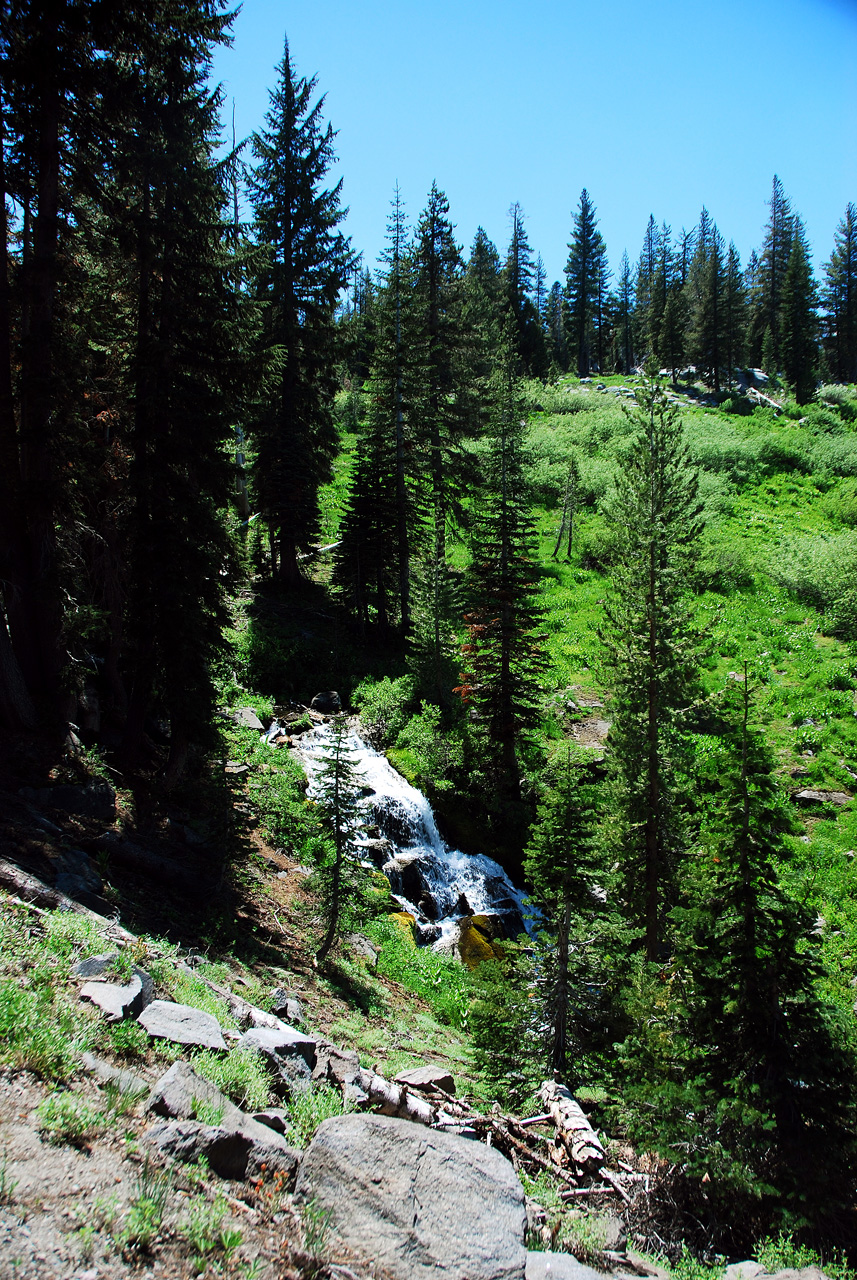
point(438, 885)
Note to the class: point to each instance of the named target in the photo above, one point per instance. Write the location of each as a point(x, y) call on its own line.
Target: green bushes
point(383, 707)
point(442, 982)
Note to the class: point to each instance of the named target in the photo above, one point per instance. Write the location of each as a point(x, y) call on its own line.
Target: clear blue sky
point(655, 106)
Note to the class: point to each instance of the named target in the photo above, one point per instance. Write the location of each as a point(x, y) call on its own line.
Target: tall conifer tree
point(799, 324)
point(306, 261)
point(840, 299)
point(652, 650)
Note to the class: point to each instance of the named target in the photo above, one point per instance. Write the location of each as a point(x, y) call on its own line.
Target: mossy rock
point(408, 925)
point(474, 942)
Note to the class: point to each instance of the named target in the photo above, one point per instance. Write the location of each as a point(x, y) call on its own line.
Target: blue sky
point(655, 106)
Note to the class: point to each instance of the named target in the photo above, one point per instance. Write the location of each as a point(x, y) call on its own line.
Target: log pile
point(561, 1141)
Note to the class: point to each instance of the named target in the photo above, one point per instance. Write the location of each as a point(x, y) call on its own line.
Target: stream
point(438, 885)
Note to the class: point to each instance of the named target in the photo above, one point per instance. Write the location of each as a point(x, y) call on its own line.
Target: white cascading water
point(438, 885)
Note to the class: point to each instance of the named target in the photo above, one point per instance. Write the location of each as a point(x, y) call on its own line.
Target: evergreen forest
point(582, 555)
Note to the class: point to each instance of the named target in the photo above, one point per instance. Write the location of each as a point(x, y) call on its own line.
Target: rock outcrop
point(419, 1204)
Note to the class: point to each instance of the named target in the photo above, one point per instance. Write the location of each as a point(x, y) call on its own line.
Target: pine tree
point(566, 870)
point(734, 315)
point(652, 649)
point(337, 792)
point(306, 262)
point(483, 302)
point(502, 652)
point(840, 300)
point(171, 205)
point(556, 341)
point(381, 507)
point(770, 277)
point(586, 279)
point(644, 292)
point(708, 318)
point(798, 344)
point(624, 316)
point(520, 279)
point(772, 1074)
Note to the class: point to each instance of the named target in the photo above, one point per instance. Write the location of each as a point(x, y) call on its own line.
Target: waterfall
point(437, 884)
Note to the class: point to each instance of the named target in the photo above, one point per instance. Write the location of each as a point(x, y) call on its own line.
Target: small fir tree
point(565, 867)
point(340, 879)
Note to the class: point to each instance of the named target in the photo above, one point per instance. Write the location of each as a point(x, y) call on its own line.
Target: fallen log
point(31, 890)
point(579, 1138)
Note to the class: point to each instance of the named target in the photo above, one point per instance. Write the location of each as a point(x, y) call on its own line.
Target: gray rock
point(419, 1204)
point(117, 1002)
point(247, 718)
point(95, 966)
point(755, 1271)
point(286, 1005)
point(360, 945)
point(231, 1153)
point(558, 1266)
point(327, 703)
point(284, 1043)
point(179, 1022)
point(79, 888)
point(427, 1078)
point(839, 798)
point(95, 800)
point(178, 1090)
point(273, 1118)
point(128, 1082)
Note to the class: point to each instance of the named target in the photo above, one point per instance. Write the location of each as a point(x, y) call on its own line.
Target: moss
point(474, 942)
point(408, 925)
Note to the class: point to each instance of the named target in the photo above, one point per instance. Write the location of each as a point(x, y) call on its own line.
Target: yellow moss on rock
point(407, 923)
point(474, 942)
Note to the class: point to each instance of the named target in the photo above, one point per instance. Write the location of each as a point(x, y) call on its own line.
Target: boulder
point(284, 1043)
point(755, 1271)
point(427, 1078)
point(247, 718)
point(231, 1153)
point(127, 1082)
point(273, 1118)
point(95, 800)
point(95, 966)
point(180, 1022)
point(474, 944)
point(360, 946)
point(177, 1092)
point(558, 1266)
point(328, 703)
point(416, 1203)
point(74, 864)
point(176, 1097)
point(118, 1002)
point(808, 796)
point(285, 1005)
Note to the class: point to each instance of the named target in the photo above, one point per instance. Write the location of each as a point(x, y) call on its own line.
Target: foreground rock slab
point(420, 1204)
point(558, 1266)
point(179, 1022)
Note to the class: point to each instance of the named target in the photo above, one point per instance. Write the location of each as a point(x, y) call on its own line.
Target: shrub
point(308, 1109)
point(382, 705)
point(241, 1075)
point(66, 1117)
